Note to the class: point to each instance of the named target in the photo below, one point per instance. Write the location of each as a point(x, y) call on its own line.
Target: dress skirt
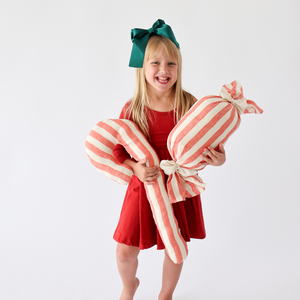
point(136, 225)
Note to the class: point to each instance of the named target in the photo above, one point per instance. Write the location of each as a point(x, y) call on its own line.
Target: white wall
point(64, 67)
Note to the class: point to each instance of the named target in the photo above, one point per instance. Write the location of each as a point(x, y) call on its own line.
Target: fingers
point(221, 148)
point(150, 172)
point(151, 179)
point(208, 161)
point(210, 158)
point(215, 158)
point(205, 163)
point(146, 174)
point(213, 154)
point(144, 161)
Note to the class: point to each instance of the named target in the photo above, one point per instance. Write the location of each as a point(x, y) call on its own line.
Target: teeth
point(163, 79)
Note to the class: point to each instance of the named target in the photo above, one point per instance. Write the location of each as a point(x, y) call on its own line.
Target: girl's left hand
point(214, 158)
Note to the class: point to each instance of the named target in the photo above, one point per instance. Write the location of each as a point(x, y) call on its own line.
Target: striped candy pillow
point(99, 147)
point(209, 122)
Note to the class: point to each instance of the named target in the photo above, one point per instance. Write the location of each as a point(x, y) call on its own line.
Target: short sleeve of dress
point(119, 151)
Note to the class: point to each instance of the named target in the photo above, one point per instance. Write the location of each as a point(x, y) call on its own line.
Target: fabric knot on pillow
point(233, 93)
point(170, 166)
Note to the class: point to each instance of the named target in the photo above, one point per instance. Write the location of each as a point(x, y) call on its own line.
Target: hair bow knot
point(140, 37)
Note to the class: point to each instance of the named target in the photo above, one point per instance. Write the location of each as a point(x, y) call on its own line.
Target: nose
point(164, 67)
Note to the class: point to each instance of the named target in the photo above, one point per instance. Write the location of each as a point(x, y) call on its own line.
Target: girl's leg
point(127, 265)
point(171, 274)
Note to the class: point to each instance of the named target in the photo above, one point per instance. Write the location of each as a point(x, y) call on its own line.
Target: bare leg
point(127, 265)
point(171, 274)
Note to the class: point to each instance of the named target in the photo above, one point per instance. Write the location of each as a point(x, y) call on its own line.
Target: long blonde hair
point(183, 100)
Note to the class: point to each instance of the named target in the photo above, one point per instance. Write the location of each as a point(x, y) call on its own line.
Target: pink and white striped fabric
point(99, 147)
point(209, 122)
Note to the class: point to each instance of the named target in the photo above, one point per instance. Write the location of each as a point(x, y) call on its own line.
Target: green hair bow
point(140, 37)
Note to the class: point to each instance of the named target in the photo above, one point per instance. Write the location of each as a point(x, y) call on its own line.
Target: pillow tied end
point(233, 93)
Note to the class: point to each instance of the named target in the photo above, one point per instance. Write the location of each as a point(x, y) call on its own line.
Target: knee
point(126, 253)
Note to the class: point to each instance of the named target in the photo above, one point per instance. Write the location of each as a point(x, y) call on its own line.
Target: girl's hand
point(214, 158)
point(145, 174)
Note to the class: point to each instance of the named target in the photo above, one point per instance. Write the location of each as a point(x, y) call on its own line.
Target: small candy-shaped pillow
point(209, 122)
point(99, 147)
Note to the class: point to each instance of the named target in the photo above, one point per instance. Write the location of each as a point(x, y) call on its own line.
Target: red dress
point(136, 225)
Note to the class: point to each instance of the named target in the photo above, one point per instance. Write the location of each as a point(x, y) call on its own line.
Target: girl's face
point(161, 72)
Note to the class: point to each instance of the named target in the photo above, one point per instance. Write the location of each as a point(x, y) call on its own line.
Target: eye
point(154, 63)
point(171, 64)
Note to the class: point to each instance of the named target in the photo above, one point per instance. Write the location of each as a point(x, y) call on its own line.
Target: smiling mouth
point(163, 80)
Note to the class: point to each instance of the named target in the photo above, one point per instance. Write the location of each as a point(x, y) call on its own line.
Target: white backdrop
point(64, 67)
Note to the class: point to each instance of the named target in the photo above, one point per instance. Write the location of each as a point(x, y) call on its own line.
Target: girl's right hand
point(144, 173)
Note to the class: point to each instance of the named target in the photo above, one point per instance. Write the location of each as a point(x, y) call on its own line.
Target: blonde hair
point(183, 100)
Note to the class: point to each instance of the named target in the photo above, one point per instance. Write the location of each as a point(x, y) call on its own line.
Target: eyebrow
point(156, 58)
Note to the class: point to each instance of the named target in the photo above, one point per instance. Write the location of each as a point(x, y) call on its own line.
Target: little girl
point(158, 104)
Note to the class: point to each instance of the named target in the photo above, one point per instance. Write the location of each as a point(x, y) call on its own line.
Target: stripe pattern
point(99, 147)
point(209, 122)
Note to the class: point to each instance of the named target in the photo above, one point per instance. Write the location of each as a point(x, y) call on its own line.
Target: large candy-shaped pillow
point(99, 147)
point(209, 122)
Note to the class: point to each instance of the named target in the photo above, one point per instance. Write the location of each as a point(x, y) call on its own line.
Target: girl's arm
point(119, 151)
point(121, 154)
